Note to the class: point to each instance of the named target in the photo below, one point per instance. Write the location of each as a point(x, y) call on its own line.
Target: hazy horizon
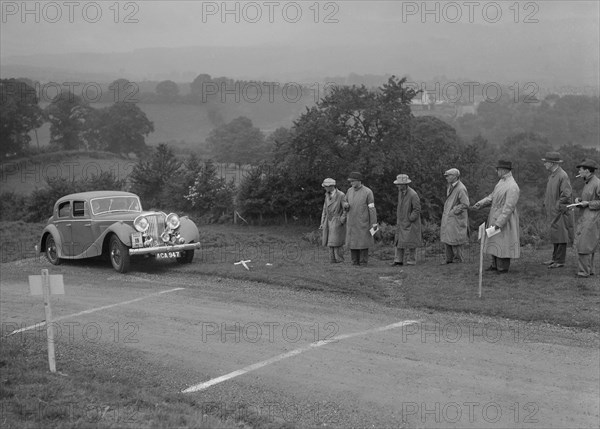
point(547, 42)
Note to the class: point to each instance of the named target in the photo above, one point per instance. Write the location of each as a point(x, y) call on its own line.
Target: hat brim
point(558, 161)
point(402, 183)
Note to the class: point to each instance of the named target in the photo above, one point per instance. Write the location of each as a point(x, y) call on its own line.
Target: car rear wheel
point(52, 250)
point(186, 257)
point(119, 254)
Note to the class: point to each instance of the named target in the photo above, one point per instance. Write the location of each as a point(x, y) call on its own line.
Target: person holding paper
point(558, 196)
point(505, 245)
point(333, 219)
point(359, 204)
point(408, 222)
point(587, 234)
point(455, 220)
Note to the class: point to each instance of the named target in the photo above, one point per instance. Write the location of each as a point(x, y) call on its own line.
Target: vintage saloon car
point(112, 224)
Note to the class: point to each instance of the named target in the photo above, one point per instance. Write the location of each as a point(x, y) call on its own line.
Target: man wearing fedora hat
point(587, 234)
point(503, 216)
point(408, 222)
point(333, 219)
point(455, 220)
point(558, 196)
point(359, 204)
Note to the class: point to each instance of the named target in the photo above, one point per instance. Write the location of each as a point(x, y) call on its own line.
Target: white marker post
point(47, 285)
point(481, 242)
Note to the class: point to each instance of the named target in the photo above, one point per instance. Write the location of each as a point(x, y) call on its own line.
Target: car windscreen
point(115, 204)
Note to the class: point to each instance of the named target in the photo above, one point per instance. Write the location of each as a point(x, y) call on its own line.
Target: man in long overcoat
point(408, 222)
point(333, 221)
point(587, 234)
point(505, 245)
point(558, 196)
point(455, 220)
point(361, 217)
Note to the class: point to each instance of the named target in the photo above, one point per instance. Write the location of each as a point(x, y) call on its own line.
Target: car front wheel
point(52, 251)
point(119, 255)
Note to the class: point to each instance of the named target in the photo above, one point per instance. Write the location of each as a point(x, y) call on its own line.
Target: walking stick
point(481, 242)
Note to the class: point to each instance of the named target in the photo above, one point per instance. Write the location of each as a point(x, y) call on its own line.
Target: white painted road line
point(286, 355)
point(93, 310)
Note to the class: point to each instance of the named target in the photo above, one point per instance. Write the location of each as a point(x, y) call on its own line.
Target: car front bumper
point(162, 249)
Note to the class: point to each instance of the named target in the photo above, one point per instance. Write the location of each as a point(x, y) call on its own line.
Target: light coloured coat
point(587, 234)
point(361, 216)
point(504, 214)
point(455, 219)
point(333, 220)
point(558, 196)
point(408, 220)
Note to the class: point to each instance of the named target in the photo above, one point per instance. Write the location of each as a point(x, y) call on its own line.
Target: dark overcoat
point(587, 234)
point(408, 220)
point(558, 196)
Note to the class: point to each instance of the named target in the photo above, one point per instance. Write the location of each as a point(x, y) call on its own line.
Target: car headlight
point(141, 224)
point(173, 221)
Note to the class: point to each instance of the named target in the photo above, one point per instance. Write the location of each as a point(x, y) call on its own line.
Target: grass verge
point(106, 387)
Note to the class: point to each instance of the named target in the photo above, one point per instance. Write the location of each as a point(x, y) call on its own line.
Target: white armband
point(371, 205)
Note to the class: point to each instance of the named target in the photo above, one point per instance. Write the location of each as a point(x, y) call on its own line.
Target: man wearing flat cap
point(455, 220)
point(587, 233)
point(558, 196)
point(408, 222)
point(505, 245)
point(359, 204)
point(333, 219)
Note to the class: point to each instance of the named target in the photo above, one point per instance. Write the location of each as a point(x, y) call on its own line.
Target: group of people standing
point(351, 219)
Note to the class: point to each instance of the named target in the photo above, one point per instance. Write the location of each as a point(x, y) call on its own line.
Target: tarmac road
point(321, 360)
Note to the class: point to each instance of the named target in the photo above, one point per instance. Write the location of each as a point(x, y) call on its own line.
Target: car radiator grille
point(157, 226)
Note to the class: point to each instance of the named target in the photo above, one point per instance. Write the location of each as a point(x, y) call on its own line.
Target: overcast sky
point(525, 35)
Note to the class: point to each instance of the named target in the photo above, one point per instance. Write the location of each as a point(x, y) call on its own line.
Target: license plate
point(167, 255)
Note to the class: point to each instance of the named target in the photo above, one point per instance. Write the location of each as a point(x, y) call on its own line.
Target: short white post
point(49, 327)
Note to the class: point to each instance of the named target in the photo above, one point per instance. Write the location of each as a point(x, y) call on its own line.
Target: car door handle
point(68, 224)
point(87, 224)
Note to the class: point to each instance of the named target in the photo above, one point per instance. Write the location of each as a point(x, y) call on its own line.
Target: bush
point(41, 202)
point(12, 206)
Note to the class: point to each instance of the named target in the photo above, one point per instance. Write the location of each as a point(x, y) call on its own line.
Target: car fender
point(51, 230)
point(122, 230)
point(188, 230)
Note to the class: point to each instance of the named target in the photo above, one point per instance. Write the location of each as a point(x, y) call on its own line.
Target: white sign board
point(57, 287)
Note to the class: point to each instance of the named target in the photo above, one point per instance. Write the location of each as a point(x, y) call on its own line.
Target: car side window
point(78, 208)
point(64, 209)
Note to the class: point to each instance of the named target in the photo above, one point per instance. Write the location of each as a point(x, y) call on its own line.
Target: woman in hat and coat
point(505, 245)
point(333, 221)
point(587, 234)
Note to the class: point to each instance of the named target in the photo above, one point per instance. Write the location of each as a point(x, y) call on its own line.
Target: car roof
point(96, 194)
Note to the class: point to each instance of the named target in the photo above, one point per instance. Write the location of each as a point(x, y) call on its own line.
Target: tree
point(210, 194)
point(167, 89)
point(150, 177)
point(123, 128)
point(237, 142)
point(199, 88)
point(19, 114)
point(71, 120)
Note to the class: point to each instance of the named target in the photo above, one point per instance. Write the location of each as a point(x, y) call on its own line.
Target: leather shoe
point(556, 265)
point(446, 262)
point(582, 275)
point(501, 271)
point(491, 269)
point(547, 262)
point(411, 263)
point(395, 264)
